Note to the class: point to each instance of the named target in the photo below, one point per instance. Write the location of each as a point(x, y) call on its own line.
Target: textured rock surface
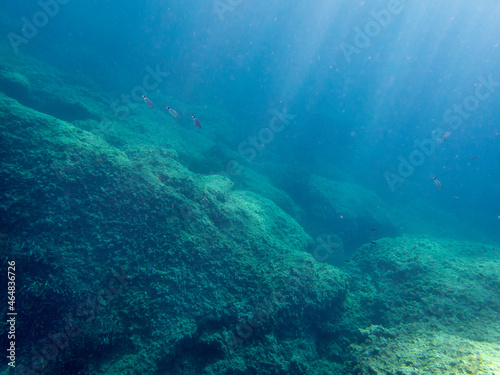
point(435, 305)
point(150, 262)
point(212, 269)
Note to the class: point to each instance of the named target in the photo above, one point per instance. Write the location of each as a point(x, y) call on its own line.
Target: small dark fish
point(196, 122)
point(148, 102)
point(373, 229)
point(373, 243)
point(347, 260)
point(476, 157)
point(482, 276)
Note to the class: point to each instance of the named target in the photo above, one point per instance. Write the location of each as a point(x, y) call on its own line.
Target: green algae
point(221, 276)
point(432, 298)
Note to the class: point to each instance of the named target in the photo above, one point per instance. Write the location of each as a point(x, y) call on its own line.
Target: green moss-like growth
point(124, 230)
point(434, 304)
point(204, 260)
point(345, 209)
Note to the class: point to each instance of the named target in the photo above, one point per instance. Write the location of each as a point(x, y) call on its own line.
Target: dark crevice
point(43, 102)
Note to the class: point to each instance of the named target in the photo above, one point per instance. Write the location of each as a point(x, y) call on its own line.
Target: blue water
point(360, 106)
point(389, 95)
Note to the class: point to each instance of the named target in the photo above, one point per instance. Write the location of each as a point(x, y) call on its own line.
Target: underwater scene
point(250, 187)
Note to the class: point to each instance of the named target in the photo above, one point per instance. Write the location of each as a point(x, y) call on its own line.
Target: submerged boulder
point(423, 305)
point(208, 269)
point(348, 210)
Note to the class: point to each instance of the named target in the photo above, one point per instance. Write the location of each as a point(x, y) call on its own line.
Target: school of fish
point(172, 111)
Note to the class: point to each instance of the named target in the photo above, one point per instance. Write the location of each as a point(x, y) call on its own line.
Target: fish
point(196, 122)
point(148, 101)
point(446, 135)
point(172, 112)
point(476, 157)
point(438, 183)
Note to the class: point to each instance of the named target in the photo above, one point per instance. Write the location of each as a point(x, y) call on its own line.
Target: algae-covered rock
point(126, 232)
point(269, 224)
point(416, 349)
point(41, 87)
point(13, 81)
point(434, 302)
point(346, 209)
point(215, 186)
point(208, 269)
point(415, 278)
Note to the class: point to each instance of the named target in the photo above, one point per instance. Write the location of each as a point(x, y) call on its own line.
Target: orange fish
point(148, 102)
point(438, 183)
point(196, 122)
point(172, 112)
